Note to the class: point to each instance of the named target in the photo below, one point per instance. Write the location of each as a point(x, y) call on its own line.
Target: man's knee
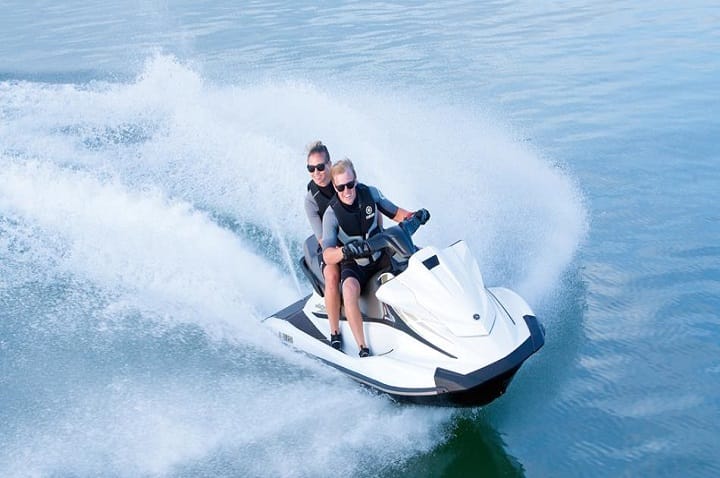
point(331, 274)
point(351, 288)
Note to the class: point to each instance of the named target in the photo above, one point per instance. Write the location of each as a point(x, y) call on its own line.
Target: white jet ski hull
point(420, 360)
point(435, 332)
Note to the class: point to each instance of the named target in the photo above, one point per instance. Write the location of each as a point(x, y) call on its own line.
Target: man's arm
point(401, 215)
point(332, 254)
point(389, 208)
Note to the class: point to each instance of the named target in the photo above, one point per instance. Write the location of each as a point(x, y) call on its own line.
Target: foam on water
point(165, 204)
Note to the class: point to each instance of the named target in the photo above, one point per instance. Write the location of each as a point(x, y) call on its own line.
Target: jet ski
point(437, 334)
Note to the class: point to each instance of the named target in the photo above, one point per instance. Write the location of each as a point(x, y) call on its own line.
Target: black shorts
point(362, 273)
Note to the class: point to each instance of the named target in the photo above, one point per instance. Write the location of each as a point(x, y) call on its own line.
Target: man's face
point(321, 178)
point(341, 181)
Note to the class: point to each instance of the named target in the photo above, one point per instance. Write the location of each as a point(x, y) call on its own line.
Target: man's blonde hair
point(341, 167)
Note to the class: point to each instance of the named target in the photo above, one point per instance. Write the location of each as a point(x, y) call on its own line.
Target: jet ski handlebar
point(417, 219)
point(398, 239)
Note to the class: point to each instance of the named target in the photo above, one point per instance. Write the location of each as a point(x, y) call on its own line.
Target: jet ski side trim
point(484, 385)
point(455, 382)
point(291, 309)
point(505, 367)
point(294, 315)
point(537, 332)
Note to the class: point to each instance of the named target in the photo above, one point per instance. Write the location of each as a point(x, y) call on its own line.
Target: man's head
point(344, 179)
point(318, 163)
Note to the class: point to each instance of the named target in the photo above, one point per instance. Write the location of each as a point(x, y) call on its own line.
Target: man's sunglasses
point(313, 167)
point(341, 187)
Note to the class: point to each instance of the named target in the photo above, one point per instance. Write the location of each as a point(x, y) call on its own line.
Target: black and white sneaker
point(336, 341)
point(364, 352)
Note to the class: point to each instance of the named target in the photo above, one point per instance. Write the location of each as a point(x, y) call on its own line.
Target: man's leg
point(351, 296)
point(331, 272)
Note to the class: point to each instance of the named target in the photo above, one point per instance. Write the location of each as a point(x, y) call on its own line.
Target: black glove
point(422, 215)
point(356, 249)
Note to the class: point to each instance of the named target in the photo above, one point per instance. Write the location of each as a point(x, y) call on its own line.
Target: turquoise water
point(150, 212)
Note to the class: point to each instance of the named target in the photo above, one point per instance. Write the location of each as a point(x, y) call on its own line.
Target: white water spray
point(186, 212)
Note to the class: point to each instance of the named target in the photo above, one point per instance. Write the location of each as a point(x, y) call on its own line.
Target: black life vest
point(321, 195)
point(358, 221)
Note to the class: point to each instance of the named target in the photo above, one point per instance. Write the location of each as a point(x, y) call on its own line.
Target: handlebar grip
point(411, 225)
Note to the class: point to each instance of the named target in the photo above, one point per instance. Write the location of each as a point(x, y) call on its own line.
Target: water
point(150, 197)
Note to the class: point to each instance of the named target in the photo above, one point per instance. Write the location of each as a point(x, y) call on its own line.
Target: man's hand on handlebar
point(356, 249)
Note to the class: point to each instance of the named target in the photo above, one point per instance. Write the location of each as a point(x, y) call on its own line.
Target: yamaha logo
point(368, 210)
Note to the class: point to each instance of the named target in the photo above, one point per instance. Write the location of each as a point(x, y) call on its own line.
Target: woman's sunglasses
point(313, 167)
point(341, 187)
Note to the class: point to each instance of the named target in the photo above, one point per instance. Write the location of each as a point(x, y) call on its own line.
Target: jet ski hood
point(445, 284)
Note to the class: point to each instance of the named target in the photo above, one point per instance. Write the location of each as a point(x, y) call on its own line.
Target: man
point(350, 219)
point(320, 192)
